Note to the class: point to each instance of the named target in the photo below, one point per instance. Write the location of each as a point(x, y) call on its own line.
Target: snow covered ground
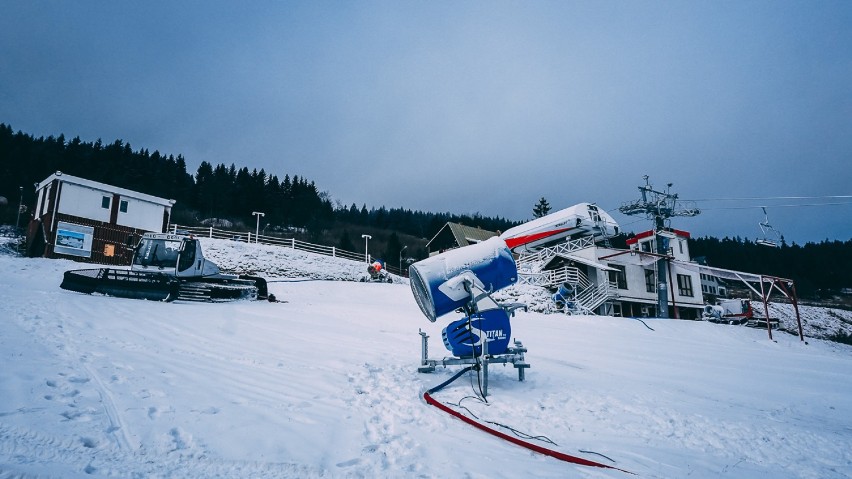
point(326, 385)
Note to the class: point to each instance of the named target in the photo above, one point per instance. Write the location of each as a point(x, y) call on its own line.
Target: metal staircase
point(589, 299)
point(586, 296)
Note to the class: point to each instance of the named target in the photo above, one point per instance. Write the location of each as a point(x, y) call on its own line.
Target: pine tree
point(346, 242)
point(392, 249)
point(542, 208)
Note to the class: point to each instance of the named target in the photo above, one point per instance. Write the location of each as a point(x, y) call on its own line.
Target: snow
point(326, 385)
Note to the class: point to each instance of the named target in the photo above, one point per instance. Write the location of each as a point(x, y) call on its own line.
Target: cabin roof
point(455, 235)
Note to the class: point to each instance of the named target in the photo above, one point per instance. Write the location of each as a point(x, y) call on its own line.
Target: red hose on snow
point(520, 442)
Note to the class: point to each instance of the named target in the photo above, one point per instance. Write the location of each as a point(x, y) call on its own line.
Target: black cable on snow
point(643, 322)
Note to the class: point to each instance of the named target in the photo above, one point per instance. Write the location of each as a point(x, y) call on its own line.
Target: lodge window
point(684, 284)
point(105, 200)
point(122, 206)
point(650, 281)
point(619, 277)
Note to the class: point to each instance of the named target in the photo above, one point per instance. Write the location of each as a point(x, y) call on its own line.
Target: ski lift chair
point(771, 236)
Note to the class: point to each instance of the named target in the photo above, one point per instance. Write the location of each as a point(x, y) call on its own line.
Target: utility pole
point(659, 206)
point(367, 239)
point(20, 207)
point(257, 229)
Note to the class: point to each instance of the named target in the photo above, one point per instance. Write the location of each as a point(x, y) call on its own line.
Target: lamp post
point(20, 205)
point(367, 239)
point(400, 258)
point(257, 230)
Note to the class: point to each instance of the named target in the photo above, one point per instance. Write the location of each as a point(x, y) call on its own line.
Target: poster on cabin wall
point(75, 240)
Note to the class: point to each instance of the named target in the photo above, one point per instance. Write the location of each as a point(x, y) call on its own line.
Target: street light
point(400, 258)
point(367, 239)
point(257, 230)
point(20, 205)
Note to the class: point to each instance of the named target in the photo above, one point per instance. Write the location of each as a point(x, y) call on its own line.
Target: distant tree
point(392, 249)
point(542, 208)
point(345, 242)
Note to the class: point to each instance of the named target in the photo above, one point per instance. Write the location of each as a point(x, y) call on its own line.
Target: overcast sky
point(465, 106)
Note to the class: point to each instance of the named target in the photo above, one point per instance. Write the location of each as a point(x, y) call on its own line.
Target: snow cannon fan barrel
point(437, 282)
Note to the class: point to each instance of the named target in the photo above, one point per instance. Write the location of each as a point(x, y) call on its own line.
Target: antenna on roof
point(659, 206)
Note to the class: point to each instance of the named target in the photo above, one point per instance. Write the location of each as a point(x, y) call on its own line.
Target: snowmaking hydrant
point(463, 280)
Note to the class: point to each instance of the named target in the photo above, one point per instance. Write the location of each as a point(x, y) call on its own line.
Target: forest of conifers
point(233, 192)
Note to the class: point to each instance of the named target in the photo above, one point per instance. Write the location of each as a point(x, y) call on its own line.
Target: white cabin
point(87, 220)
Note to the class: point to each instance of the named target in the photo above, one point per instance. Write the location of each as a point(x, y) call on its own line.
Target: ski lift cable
point(791, 205)
point(754, 198)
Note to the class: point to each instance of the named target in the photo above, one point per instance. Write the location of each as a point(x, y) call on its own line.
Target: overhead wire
point(795, 205)
point(754, 198)
point(774, 198)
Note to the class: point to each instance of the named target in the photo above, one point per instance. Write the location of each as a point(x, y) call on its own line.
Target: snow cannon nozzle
point(446, 282)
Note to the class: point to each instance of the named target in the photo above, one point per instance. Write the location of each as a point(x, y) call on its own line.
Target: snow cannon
point(463, 280)
point(442, 284)
point(377, 272)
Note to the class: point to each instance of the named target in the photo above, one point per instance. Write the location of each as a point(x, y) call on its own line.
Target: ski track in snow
point(325, 385)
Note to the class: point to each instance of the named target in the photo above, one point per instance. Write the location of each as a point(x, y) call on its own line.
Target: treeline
point(233, 193)
point(219, 191)
point(819, 269)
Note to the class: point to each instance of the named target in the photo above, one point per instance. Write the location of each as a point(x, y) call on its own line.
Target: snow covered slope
point(325, 385)
point(278, 262)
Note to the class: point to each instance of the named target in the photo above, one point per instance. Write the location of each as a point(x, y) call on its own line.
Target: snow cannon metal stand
point(456, 281)
point(471, 327)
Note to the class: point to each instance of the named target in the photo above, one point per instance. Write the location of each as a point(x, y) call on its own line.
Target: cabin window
point(646, 246)
point(684, 285)
point(122, 206)
point(680, 244)
point(187, 254)
point(105, 201)
point(650, 281)
point(619, 277)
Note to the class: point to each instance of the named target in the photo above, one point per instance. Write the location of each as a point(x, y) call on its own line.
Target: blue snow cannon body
point(436, 281)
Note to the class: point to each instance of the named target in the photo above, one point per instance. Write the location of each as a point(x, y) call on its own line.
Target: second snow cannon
point(376, 272)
